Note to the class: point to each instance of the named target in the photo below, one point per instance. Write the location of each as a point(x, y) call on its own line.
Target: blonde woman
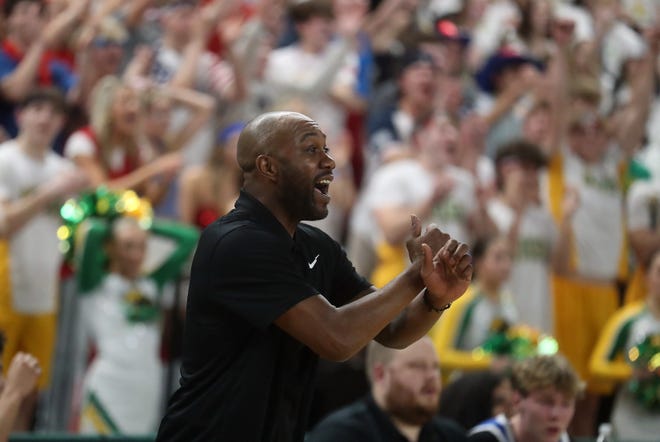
point(107, 150)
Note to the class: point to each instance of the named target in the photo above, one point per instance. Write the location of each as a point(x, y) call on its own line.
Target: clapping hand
point(433, 236)
point(446, 263)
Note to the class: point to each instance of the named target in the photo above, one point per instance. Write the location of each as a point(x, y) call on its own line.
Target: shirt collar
point(261, 214)
point(383, 420)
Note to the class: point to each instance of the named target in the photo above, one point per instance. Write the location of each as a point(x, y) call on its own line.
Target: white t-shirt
point(529, 282)
point(598, 221)
point(452, 213)
point(34, 249)
point(290, 71)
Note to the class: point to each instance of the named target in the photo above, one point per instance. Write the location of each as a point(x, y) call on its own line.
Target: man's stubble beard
point(299, 203)
point(401, 404)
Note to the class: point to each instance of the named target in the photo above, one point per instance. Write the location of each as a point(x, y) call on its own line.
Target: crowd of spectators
point(529, 129)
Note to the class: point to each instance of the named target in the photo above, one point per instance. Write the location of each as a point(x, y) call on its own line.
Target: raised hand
point(137, 71)
point(448, 273)
point(213, 12)
point(562, 31)
point(22, 374)
point(350, 17)
point(571, 202)
point(433, 237)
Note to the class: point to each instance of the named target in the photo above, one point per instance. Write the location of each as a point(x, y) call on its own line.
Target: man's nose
point(328, 161)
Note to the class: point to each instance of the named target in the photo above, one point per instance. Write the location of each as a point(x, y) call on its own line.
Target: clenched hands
point(446, 264)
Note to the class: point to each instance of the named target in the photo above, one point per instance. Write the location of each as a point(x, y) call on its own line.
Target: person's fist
point(23, 373)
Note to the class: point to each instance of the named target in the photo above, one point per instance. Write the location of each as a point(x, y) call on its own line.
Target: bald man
point(269, 295)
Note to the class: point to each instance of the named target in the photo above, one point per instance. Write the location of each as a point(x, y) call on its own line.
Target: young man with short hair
point(545, 390)
point(33, 182)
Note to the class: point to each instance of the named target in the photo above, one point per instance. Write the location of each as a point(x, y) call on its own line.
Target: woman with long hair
point(108, 150)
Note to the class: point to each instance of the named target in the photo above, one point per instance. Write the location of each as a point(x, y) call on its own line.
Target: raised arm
point(558, 91)
point(168, 163)
point(90, 258)
point(608, 358)
point(201, 107)
point(630, 121)
point(21, 80)
point(21, 380)
point(208, 16)
point(185, 238)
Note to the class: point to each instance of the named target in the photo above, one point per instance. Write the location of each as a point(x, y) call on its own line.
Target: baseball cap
point(447, 30)
point(496, 63)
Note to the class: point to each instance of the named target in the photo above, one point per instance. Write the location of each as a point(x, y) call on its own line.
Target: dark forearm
point(413, 323)
point(339, 333)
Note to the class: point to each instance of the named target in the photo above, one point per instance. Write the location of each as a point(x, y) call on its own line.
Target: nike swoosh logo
point(313, 263)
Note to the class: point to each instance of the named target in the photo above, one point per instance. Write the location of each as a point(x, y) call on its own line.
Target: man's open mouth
point(323, 185)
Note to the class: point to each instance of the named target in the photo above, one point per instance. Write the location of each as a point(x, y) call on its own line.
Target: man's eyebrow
point(307, 135)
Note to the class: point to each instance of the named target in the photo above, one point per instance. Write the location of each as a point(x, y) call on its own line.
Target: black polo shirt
point(243, 379)
point(364, 421)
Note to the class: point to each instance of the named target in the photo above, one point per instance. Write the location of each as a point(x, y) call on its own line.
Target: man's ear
point(516, 398)
point(377, 372)
point(267, 166)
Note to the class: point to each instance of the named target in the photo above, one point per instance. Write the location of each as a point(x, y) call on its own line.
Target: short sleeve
point(348, 283)
point(253, 275)
point(79, 144)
